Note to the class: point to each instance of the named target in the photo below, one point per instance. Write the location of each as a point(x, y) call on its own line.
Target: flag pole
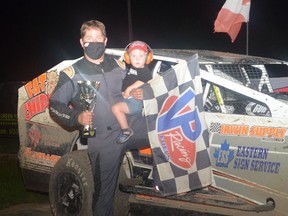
point(130, 32)
point(247, 38)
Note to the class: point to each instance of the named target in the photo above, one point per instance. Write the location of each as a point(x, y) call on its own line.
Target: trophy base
point(88, 133)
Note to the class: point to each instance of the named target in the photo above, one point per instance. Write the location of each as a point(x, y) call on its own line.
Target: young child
point(139, 56)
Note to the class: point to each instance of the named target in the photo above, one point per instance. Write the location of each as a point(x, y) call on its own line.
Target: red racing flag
point(231, 16)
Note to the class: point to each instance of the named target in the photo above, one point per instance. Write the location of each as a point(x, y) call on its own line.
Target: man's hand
point(137, 93)
point(86, 118)
point(126, 93)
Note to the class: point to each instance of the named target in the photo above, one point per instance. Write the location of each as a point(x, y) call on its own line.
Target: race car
point(245, 105)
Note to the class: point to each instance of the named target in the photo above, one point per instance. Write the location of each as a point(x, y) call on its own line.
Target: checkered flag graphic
point(215, 127)
point(178, 134)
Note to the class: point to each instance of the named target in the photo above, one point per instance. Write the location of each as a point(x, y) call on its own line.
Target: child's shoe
point(125, 135)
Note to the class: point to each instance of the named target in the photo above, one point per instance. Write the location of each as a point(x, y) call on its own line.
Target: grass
point(13, 191)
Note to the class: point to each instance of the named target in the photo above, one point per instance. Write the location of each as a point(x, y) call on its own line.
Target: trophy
point(88, 96)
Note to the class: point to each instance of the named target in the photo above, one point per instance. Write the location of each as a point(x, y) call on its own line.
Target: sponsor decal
point(38, 91)
point(35, 105)
point(255, 159)
point(223, 155)
point(273, 134)
point(246, 158)
point(178, 126)
point(36, 86)
point(40, 156)
point(257, 109)
point(38, 137)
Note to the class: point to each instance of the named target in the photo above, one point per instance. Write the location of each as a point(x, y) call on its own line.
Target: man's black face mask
point(94, 49)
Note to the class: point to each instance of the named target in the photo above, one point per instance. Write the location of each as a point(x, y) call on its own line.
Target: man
point(66, 108)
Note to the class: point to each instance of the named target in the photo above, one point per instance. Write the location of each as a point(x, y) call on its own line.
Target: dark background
point(36, 35)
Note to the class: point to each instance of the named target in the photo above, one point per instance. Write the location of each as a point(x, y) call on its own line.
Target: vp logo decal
point(178, 126)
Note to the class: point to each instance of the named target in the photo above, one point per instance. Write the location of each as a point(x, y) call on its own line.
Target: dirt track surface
point(27, 210)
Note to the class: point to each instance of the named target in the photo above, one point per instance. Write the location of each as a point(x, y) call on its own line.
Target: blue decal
point(172, 119)
point(223, 155)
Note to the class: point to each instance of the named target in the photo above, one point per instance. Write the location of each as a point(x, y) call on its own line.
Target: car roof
point(216, 57)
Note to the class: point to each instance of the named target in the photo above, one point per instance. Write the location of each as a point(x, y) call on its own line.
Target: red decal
point(35, 106)
point(36, 86)
point(35, 136)
point(181, 151)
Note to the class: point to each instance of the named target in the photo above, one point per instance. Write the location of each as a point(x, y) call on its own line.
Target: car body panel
point(42, 141)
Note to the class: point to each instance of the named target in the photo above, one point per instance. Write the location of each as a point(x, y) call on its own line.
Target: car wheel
point(71, 185)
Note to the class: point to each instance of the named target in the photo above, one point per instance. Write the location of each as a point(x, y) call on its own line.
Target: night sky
point(36, 35)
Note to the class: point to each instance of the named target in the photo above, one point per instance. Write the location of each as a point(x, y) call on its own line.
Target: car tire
point(71, 185)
